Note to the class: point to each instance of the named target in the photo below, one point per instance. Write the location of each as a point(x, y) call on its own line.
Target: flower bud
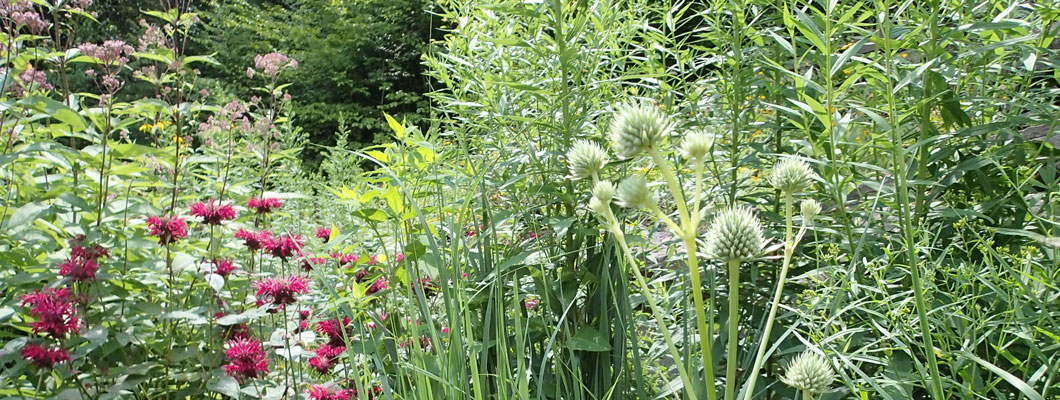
point(636, 128)
point(809, 372)
point(633, 192)
point(810, 209)
point(605, 191)
point(697, 145)
point(598, 207)
point(586, 158)
point(734, 235)
point(791, 175)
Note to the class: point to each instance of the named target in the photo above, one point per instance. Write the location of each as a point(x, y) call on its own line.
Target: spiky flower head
point(697, 145)
point(586, 158)
point(636, 128)
point(791, 175)
point(810, 208)
point(605, 191)
point(735, 235)
point(633, 192)
point(809, 372)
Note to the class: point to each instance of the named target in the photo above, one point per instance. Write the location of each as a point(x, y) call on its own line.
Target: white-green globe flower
point(598, 207)
point(697, 145)
point(605, 191)
point(791, 175)
point(636, 128)
point(633, 192)
point(809, 372)
point(735, 235)
point(810, 208)
point(586, 158)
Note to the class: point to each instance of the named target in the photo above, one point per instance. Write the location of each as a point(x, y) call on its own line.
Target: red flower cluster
point(254, 240)
point(246, 359)
point(83, 263)
point(263, 206)
point(167, 228)
point(44, 357)
point(325, 359)
point(233, 332)
point(284, 247)
point(309, 262)
point(325, 233)
point(283, 290)
point(211, 213)
point(379, 285)
point(325, 392)
point(223, 266)
point(345, 259)
point(54, 313)
point(333, 330)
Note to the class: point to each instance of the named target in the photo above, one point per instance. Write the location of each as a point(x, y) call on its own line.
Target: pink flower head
point(361, 275)
point(53, 310)
point(400, 256)
point(283, 290)
point(264, 206)
point(254, 240)
point(44, 357)
point(246, 359)
point(373, 259)
point(531, 303)
point(273, 63)
point(325, 233)
point(223, 266)
point(212, 214)
point(284, 247)
point(83, 263)
point(333, 330)
point(234, 332)
point(109, 53)
point(377, 286)
point(445, 330)
point(167, 228)
point(325, 357)
point(327, 392)
point(309, 262)
point(345, 259)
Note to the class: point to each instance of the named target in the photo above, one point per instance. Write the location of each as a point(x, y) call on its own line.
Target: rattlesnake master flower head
point(633, 192)
point(810, 208)
point(586, 158)
point(605, 191)
point(809, 372)
point(636, 128)
point(697, 145)
point(734, 235)
point(791, 175)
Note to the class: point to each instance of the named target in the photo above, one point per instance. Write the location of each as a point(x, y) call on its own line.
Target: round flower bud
point(633, 192)
point(734, 235)
point(809, 372)
point(810, 209)
point(637, 128)
point(791, 175)
point(697, 145)
point(605, 191)
point(586, 158)
point(598, 207)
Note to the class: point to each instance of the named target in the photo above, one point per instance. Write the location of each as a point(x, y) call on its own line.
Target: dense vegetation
point(594, 199)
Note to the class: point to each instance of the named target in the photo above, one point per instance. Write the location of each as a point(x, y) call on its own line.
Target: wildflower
point(810, 208)
point(531, 304)
point(223, 266)
point(212, 214)
point(109, 53)
point(791, 175)
point(254, 240)
point(264, 205)
point(308, 262)
point(377, 286)
point(53, 310)
point(83, 263)
point(281, 291)
point(167, 228)
point(246, 359)
point(361, 275)
point(334, 330)
point(273, 63)
point(636, 128)
point(445, 330)
point(284, 247)
point(345, 259)
point(809, 372)
point(697, 146)
point(327, 392)
point(734, 235)
point(633, 192)
point(44, 357)
point(586, 159)
point(324, 233)
point(234, 332)
point(326, 356)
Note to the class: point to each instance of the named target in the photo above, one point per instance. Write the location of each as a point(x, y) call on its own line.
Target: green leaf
point(187, 317)
point(246, 316)
point(589, 339)
point(225, 385)
point(56, 110)
point(370, 214)
point(1016, 382)
point(399, 130)
point(27, 214)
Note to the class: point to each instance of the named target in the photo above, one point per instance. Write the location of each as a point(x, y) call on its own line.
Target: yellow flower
point(146, 127)
point(848, 71)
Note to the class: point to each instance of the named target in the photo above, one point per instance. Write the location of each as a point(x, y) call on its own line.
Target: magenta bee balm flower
point(282, 290)
point(212, 214)
point(167, 228)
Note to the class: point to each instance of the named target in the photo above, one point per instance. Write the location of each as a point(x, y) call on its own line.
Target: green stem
point(705, 337)
point(734, 321)
point(675, 187)
point(806, 395)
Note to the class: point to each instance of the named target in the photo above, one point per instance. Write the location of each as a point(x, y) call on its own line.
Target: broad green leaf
point(589, 339)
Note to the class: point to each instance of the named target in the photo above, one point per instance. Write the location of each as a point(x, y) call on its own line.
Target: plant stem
point(734, 321)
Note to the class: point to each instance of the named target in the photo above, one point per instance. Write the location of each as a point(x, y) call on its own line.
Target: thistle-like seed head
point(810, 208)
point(735, 235)
point(697, 145)
point(605, 191)
point(791, 175)
point(586, 158)
point(809, 372)
point(633, 192)
point(636, 128)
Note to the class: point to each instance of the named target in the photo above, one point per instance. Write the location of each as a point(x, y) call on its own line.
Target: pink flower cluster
point(254, 240)
point(333, 330)
point(83, 263)
point(264, 205)
point(167, 229)
point(281, 291)
point(327, 392)
point(271, 64)
point(43, 356)
point(326, 357)
point(246, 359)
point(211, 213)
point(223, 266)
point(284, 247)
point(53, 311)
